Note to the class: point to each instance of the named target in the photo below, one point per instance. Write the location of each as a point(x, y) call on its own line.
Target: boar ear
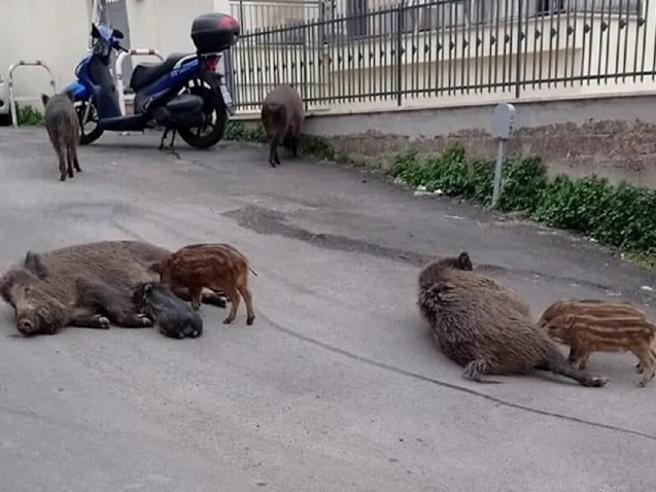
point(45, 99)
point(34, 264)
point(465, 261)
point(6, 283)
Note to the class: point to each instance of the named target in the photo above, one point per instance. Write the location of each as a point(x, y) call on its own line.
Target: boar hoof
point(597, 382)
point(62, 177)
point(103, 322)
point(227, 321)
point(249, 321)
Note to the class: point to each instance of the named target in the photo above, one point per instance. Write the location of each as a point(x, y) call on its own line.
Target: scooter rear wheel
point(215, 116)
point(90, 130)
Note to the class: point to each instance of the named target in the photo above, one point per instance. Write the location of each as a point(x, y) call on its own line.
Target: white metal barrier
point(10, 77)
point(118, 70)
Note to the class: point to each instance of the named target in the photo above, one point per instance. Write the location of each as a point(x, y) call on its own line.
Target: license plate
point(227, 98)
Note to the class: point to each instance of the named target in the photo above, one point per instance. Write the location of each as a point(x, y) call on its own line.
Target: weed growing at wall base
point(623, 216)
point(28, 116)
point(315, 146)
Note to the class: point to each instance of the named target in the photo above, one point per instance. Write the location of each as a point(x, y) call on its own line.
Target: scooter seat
point(145, 73)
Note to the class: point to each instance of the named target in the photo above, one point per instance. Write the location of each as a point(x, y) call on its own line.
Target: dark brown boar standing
point(64, 130)
point(282, 118)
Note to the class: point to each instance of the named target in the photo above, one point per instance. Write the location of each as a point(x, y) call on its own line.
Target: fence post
point(519, 50)
point(399, 53)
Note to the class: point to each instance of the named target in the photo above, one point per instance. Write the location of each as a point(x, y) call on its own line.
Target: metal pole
point(519, 50)
point(497, 174)
point(399, 53)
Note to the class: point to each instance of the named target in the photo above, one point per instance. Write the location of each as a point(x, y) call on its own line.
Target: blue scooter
point(184, 93)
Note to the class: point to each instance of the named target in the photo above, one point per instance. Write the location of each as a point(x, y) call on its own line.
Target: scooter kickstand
point(161, 143)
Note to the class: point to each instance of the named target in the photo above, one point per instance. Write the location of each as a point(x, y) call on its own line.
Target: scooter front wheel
point(214, 114)
point(90, 129)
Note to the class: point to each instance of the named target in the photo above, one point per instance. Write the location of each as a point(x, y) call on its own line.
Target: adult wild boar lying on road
point(83, 285)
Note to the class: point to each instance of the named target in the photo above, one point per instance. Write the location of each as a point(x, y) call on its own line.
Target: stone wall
point(610, 137)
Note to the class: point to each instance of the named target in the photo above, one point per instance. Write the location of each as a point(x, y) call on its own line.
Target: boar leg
point(196, 297)
point(233, 296)
point(61, 154)
point(582, 358)
point(294, 146)
point(274, 159)
point(557, 364)
point(248, 300)
point(76, 163)
point(84, 319)
point(69, 161)
point(211, 298)
point(475, 370)
point(117, 307)
point(643, 353)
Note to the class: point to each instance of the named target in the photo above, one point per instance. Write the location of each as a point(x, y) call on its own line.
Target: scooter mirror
point(117, 34)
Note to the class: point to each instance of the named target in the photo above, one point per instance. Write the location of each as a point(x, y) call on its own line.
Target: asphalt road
point(336, 387)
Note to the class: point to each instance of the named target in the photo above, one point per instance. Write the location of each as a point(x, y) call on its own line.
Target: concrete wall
point(610, 137)
point(56, 32)
point(165, 25)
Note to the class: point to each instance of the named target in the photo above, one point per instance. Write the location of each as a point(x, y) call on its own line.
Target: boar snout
point(25, 327)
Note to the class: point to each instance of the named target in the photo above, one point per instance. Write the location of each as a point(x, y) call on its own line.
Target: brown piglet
point(218, 267)
point(588, 326)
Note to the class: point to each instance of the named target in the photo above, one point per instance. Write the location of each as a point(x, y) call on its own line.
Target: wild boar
point(174, 317)
point(282, 118)
point(83, 285)
point(219, 267)
point(484, 327)
point(64, 131)
point(589, 325)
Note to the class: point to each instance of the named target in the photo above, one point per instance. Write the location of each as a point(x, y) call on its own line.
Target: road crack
point(457, 387)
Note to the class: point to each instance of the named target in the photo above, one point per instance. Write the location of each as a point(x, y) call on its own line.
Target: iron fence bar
point(644, 40)
point(399, 74)
point(574, 33)
point(438, 48)
point(519, 51)
point(567, 3)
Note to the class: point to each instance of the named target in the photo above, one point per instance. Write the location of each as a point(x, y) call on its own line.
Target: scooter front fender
point(79, 91)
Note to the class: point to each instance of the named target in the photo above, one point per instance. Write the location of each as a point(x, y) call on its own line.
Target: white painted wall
point(53, 31)
point(57, 32)
point(165, 24)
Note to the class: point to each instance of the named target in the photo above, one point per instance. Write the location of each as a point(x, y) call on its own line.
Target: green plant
point(318, 147)
point(238, 131)
point(524, 182)
point(622, 216)
point(28, 116)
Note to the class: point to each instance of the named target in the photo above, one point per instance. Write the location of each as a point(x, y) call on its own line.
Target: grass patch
point(622, 215)
point(317, 147)
point(28, 116)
